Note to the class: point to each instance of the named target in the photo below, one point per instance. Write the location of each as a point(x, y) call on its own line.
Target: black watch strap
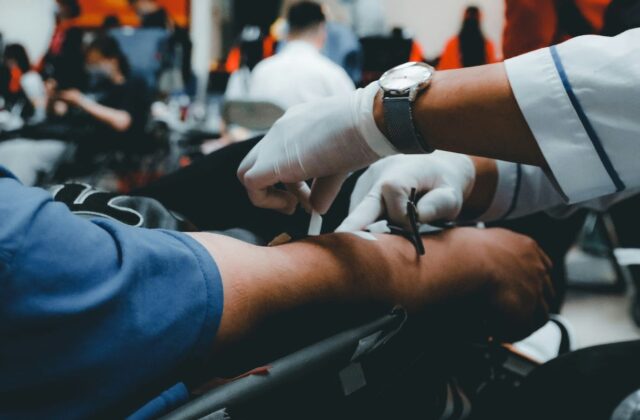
point(403, 135)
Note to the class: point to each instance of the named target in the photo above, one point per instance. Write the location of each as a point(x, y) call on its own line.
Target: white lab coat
point(581, 100)
point(298, 74)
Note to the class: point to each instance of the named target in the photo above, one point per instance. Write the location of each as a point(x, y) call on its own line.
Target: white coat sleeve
point(523, 190)
point(581, 100)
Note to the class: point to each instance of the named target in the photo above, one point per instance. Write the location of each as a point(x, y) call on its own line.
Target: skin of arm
point(484, 189)
point(504, 274)
point(473, 111)
point(117, 119)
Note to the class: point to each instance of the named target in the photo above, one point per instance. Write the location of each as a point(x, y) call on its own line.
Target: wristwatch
point(401, 86)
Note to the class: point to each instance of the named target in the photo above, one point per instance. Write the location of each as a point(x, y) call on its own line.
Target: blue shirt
point(96, 317)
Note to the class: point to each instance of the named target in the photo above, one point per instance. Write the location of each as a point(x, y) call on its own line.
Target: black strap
point(398, 116)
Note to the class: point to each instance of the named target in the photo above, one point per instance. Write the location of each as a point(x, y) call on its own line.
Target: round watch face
point(405, 77)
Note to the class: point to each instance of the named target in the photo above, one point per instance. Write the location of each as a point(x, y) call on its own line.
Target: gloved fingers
point(325, 190)
point(302, 192)
point(364, 187)
point(274, 199)
point(439, 204)
point(247, 163)
point(395, 198)
point(260, 177)
point(367, 212)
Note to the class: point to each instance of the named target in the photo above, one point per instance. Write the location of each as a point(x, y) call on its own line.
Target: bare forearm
point(473, 111)
point(263, 282)
point(260, 283)
point(115, 118)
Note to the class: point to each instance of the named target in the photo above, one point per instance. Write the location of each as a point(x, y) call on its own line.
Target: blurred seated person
point(234, 58)
point(416, 54)
point(25, 85)
point(535, 24)
point(251, 51)
point(387, 51)
point(109, 23)
point(300, 73)
point(119, 102)
point(112, 117)
point(64, 61)
point(153, 15)
point(470, 47)
point(137, 310)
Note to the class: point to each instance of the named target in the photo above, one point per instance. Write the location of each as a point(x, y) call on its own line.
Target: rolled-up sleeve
point(521, 190)
point(95, 315)
point(581, 100)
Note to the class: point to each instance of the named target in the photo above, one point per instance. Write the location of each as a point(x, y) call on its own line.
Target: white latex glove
point(323, 140)
point(443, 179)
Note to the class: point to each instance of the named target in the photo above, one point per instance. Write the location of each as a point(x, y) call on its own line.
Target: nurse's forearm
point(484, 189)
point(473, 111)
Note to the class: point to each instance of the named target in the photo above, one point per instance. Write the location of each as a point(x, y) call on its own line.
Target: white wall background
point(433, 22)
point(28, 22)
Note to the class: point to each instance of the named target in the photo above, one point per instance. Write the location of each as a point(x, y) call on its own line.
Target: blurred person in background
point(153, 15)
point(621, 15)
point(109, 23)
point(63, 64)
point(250, 51)
point(342, 45)
point(300, 73)
point(235, 56)
point(117, 110)
point(25, 85)
point(112, 117)
point(535, 24)
point(416, 53)
point(470, 47)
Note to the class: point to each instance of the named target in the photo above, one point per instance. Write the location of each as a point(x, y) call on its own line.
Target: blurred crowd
point(118, 104)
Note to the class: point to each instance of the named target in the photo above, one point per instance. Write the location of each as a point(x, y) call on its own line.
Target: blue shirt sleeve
point(95, 315)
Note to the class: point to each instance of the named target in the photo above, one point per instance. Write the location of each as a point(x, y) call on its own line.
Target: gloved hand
point(446, 180)
point(323, 140)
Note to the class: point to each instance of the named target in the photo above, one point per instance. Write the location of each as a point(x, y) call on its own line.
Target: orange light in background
point(94, 12)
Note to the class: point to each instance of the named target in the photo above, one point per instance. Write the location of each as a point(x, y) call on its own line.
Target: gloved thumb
point(366, 213)
point(302, 192)
point(440, 204)
point(324, 192)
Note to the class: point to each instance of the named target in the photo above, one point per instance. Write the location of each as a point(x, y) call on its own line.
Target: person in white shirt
point(569, 112)
point(300, 73)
